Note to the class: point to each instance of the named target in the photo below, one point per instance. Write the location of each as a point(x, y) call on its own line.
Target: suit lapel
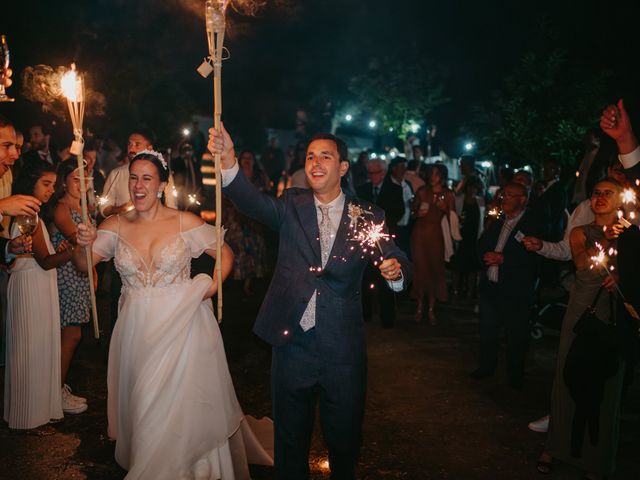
point(306, 209)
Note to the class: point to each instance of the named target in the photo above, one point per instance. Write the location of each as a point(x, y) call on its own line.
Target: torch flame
point(71, 85)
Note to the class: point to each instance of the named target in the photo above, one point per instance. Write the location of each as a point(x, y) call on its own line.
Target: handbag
point(592, 359)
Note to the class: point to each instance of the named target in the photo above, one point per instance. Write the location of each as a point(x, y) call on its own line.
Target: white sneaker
point(70, 405)
point(76, 398)
point(541, 425)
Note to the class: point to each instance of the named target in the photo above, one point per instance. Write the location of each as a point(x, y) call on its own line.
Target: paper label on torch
point(205, 68)
point(76, 147)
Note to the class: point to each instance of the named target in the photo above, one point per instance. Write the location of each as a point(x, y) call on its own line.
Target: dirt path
point(424, 419)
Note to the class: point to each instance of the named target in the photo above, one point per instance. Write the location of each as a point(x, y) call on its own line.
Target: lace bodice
point(171, 265)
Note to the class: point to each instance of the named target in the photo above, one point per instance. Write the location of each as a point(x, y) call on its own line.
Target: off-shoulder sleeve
point(200, 239)
point(105, 244)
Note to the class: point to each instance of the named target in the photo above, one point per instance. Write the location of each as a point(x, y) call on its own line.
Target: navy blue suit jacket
point(339, 322)
point(518, 274)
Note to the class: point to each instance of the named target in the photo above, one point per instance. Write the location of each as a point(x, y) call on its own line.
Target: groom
point(312, 312)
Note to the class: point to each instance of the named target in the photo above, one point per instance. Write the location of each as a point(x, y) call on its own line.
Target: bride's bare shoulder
point(190, 220)
point(110, 223)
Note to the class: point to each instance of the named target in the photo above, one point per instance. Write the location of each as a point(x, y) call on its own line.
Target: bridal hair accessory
point(158, 155)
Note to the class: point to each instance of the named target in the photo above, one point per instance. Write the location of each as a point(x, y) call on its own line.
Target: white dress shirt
point(630, 159)
point(505, 232)
point(561, 250)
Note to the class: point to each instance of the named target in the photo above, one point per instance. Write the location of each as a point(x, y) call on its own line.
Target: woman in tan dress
point(431, 203)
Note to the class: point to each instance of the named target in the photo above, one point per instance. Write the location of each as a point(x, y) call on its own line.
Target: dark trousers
point(300, 379)
point(403, 239)
point(512, 312)
point(379, 293)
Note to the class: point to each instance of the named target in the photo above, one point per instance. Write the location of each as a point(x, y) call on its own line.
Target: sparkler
point(366, 232)
point(601, 260)
point(72, 87)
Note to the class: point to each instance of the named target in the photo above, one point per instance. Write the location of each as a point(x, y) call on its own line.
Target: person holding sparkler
point(507, 286)
point(615, 122)
point(592, 449)
point(312, 313)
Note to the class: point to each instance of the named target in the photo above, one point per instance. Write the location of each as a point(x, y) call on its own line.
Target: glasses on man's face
point(603, 193)
point(375, 172)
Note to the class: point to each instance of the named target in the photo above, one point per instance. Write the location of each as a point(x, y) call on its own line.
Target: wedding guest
point(507, 286)
point(359, 169)
point(585, 401)
point(32, 394)
point(187, 176)
point(41, 146)
point(246, 236)
point(397, 170)
point(380, 191)
point(412, 175)
point(470, 210)
point(581, 215)
point(73, 285)
point(430, 205)
point(297, 177)
point(10, 205)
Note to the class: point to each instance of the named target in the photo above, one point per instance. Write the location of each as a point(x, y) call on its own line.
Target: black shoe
point(479, 374)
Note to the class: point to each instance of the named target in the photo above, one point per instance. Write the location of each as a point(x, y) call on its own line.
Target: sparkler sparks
point(628, 195)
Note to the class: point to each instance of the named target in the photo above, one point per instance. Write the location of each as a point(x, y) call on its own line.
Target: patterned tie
point(308, 319)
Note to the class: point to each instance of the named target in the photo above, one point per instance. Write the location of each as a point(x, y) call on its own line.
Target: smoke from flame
point(42, 84)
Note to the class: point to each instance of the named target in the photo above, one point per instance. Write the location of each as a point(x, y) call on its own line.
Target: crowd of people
point(499, 249)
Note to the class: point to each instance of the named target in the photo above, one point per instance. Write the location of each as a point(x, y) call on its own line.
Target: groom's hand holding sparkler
point(220, 143)
point(391, 269)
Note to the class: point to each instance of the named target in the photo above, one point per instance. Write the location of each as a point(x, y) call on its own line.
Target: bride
point(172, 407)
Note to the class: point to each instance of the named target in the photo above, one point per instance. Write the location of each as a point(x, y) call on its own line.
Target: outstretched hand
point(615, 122)
point(20, 205)
point(220, 143)
point(532, 244)
point(86, 235)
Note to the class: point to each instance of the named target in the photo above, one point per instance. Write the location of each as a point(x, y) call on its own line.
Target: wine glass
point(4, 68)
point(27, 224)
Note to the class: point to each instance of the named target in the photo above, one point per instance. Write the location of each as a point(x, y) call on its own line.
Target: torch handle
point(217, 123)
point(85, 220)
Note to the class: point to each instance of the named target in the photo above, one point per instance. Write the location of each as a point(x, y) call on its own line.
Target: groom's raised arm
point(245, 196)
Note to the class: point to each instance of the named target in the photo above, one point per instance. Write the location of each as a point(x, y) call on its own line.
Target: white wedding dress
point(172, 407)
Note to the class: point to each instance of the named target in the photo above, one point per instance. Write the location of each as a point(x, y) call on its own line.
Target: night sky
point(142, 53)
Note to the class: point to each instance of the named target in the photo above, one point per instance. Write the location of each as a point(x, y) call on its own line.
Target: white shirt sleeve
point(630, 159)
point(556, 250)
point(107, 201)
point(229, 174)
point(396, 285)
